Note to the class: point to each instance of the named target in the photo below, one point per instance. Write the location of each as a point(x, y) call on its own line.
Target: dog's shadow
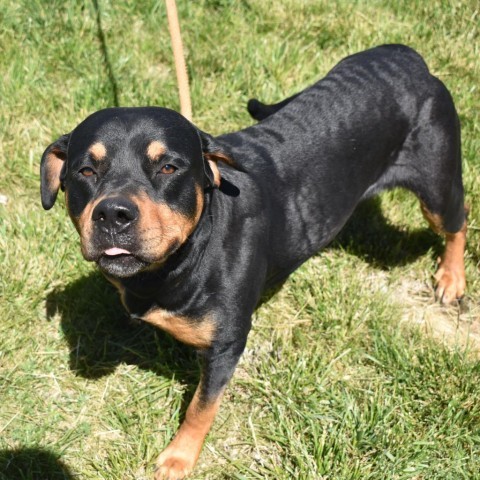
point(370, 236)
point(32, 463)
point(101, 336)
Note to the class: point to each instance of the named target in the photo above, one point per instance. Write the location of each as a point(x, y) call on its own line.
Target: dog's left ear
point(52, 170)
point(213, 153)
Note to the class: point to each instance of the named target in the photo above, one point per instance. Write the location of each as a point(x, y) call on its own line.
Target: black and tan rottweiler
point(192, 229)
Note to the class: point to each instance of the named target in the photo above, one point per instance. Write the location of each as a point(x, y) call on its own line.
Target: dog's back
point(363, 128)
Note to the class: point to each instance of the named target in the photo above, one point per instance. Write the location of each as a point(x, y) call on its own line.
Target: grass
point(351, 371)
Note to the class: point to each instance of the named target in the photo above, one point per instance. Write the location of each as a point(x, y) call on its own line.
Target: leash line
point(179, 57)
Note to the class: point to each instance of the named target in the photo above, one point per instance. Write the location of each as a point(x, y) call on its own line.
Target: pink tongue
point(116, 251)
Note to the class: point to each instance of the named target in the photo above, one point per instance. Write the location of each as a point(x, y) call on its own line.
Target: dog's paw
point(450, 283)
point(174, 464)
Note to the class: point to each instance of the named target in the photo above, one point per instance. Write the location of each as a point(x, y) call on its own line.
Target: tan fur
point(213, 158)
point(198, 333)
point(54, 164)
point(155, 150)
point(160, 227)
point(434, 220)
point(180, 456)
point(84, 225)
point(219, 157)
point(450, 276)
point(216, 173)
point(98, 151)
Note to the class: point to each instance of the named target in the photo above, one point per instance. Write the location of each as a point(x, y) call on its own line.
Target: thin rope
point(180, 65)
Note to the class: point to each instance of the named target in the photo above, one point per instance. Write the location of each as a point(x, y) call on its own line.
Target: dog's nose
point(114, 215)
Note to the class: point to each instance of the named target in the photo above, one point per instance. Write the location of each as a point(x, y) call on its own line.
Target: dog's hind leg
point(450, 276)
point(434, 160)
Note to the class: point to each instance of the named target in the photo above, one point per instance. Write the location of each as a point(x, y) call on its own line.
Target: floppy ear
point(52, 170)
point(213, 153)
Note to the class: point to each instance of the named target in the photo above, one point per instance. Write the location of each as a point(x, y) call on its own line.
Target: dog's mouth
point(119, 262)
point(125, 258)
point(122, 263)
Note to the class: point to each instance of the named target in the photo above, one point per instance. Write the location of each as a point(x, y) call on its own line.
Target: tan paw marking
point(450, 283)
point(175, 463)
point(180, 456)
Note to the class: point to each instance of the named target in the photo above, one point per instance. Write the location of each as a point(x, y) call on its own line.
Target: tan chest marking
point(198, 333)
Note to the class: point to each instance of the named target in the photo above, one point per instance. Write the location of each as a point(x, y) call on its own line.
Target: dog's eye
point(87, 172)
point(168, 169)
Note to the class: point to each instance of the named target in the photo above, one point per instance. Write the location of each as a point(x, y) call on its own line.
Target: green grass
point(351, 371)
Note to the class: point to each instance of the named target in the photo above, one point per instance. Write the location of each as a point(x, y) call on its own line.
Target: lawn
point(352, 371)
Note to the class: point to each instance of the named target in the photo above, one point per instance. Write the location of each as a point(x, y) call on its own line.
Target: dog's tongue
point(116, 251)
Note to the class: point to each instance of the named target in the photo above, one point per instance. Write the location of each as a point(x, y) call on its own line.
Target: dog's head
point(134, 181)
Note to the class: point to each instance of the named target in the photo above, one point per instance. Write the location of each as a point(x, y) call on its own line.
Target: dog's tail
point(260, 111)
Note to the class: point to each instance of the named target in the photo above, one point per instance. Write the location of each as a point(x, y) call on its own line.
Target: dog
point(191, 229)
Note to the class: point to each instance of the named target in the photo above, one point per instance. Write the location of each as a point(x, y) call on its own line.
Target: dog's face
point(134, 181)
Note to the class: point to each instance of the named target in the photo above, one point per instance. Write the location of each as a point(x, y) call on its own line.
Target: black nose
point(114, 215)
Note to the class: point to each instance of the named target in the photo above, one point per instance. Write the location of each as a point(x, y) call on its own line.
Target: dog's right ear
point(52, 170)
point(212, 154)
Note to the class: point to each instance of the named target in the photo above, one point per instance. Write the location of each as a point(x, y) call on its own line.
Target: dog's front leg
point(180, 456)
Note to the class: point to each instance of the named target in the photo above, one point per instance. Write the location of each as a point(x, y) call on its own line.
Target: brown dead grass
point(456, 325)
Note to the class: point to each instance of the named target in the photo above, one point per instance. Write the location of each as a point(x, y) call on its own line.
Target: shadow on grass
point(32, 464)
point(370, 236)
point(101, 335)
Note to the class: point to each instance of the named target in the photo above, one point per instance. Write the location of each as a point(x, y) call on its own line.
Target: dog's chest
point(197, 332)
